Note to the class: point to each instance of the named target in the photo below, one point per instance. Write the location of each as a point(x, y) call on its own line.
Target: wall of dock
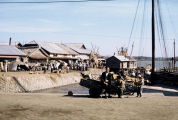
point(25, 82)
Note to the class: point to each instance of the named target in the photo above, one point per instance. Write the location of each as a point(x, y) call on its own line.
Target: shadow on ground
point(78, 96)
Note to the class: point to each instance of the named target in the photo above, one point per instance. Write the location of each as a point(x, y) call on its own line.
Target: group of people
point(107, 81)
point(82, 66)
point(62, 66)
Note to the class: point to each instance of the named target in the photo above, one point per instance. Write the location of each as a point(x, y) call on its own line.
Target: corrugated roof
point(34, 53)
point(57, 48)
point(10, 51)
point(67, 49)
point(78, 50)
point(29, 51)
point(77, 45)
point(52, 48)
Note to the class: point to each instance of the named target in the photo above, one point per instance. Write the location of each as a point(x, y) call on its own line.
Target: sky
point(104, 24)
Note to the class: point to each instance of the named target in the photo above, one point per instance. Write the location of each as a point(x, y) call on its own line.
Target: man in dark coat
point(106, 78)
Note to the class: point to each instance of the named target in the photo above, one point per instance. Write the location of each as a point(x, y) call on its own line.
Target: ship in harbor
point(169, 73)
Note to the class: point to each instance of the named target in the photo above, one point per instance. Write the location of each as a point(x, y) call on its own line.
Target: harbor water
point(159, 64)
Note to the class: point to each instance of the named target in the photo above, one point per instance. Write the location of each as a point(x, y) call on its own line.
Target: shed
point(120, 62)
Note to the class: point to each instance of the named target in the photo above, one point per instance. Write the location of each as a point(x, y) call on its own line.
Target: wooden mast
point(174, 54)
point(153, 38)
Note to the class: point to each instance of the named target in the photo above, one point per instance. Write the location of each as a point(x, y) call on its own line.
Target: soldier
point(106, 78)
point(120, 86)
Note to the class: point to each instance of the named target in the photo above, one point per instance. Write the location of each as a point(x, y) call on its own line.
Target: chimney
point(10, 40)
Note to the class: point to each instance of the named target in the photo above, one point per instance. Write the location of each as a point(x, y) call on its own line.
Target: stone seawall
point(24, 82)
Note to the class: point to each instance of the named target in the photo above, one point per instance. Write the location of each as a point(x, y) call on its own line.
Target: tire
point(95, 91)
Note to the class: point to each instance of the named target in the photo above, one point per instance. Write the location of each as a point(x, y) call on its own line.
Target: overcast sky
point(106, 24)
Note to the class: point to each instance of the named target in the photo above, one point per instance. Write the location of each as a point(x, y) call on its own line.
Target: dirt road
point(157, 104)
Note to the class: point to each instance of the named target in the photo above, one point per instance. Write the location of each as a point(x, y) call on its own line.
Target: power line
point(61, 1)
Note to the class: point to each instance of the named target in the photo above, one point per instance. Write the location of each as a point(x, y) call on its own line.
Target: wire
point(60, 1)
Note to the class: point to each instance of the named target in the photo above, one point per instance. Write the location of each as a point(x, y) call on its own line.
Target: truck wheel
point(95, 91)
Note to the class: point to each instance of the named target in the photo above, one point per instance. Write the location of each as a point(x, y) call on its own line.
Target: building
point(83, 52)
point(117, 62)
point(11, 53)
point(10, 56)
point(44, 51)
point(35, 55)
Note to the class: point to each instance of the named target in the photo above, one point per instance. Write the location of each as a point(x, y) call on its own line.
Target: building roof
point(79, 48)
point(35, 53)
point(67, 49)
point(54, 48)
point(28, 51)
point(121, 58)
point(77, 45)
point(6, 50)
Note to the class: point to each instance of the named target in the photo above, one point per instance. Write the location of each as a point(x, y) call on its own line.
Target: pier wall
point(17, 83)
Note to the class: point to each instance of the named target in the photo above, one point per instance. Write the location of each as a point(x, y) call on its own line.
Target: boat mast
point(174, 54)
point(153, 38)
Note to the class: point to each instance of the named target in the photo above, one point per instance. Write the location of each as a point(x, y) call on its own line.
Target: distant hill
point(150, 58)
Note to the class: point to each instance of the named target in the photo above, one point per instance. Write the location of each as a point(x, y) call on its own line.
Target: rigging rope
point(161, 27)
point(142, 30)
point(162, 31)
point(133, 23)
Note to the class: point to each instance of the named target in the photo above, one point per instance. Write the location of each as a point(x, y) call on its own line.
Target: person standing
point(36, 67)
point(106, 78)
point(140, 83)
point(120, 86)
point(6, 66)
